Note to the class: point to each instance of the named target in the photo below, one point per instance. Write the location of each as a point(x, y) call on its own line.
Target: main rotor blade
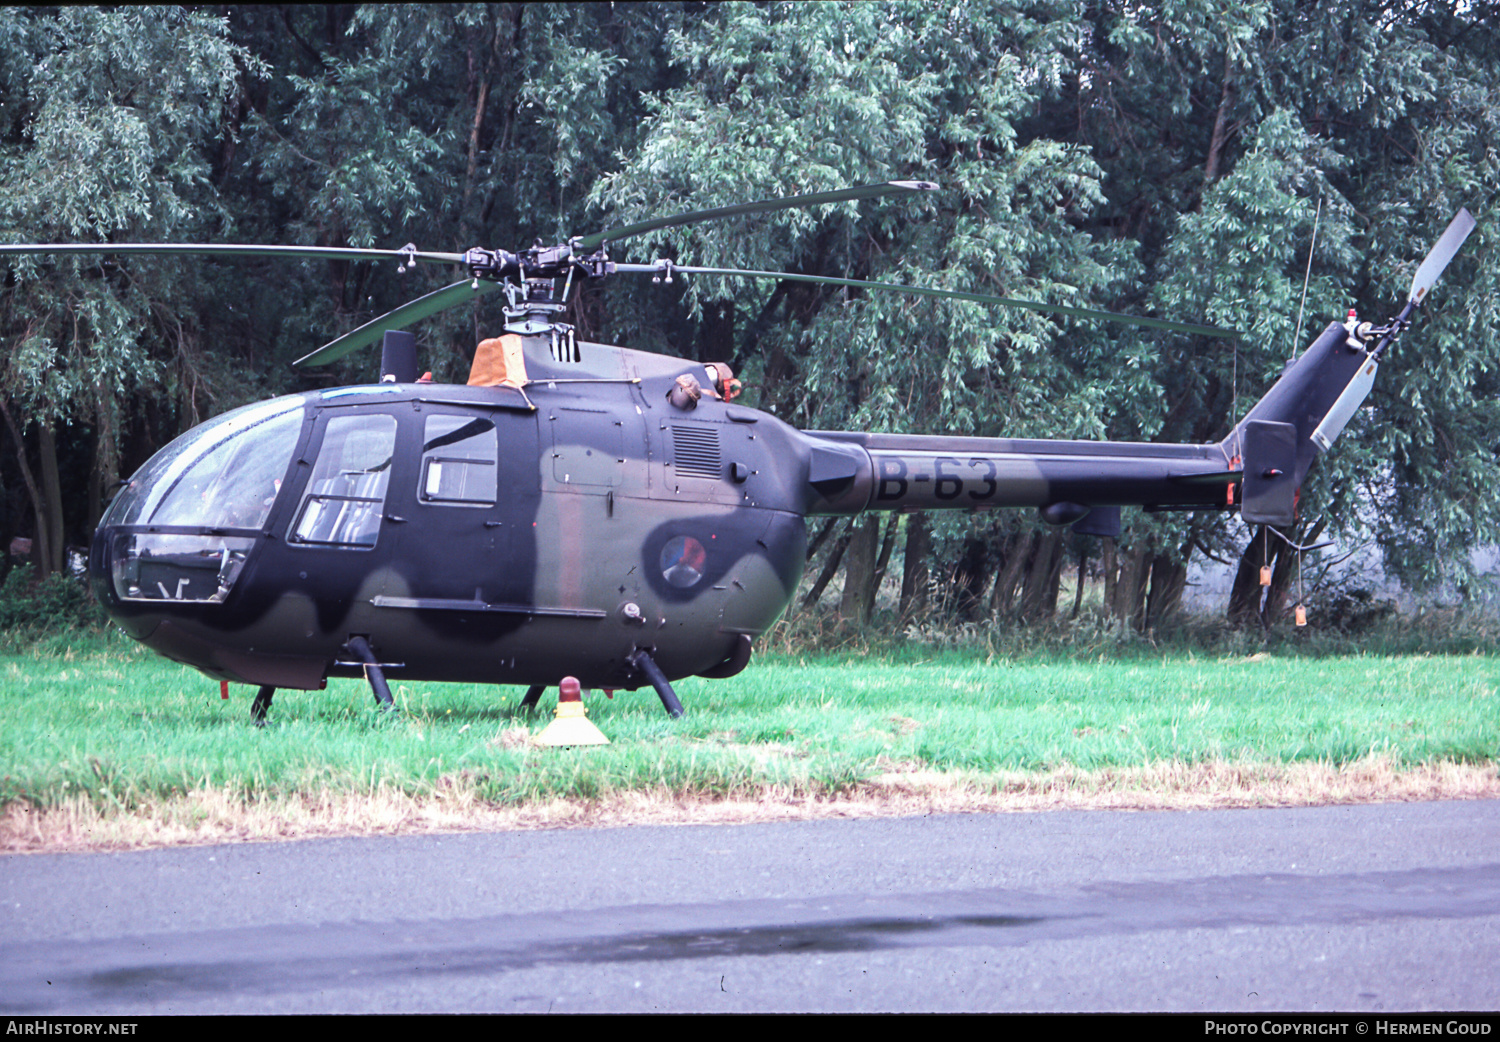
point(979, 298)
point(589, 242)
point(231, 250)
point(1442, 252)
point(405, 315)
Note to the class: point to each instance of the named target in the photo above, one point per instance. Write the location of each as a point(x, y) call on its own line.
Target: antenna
point(1307, 276)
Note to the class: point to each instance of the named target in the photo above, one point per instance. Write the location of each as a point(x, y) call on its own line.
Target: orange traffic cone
point(571, 727)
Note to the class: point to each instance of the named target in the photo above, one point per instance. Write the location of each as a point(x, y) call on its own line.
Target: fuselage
point(468, 533)
point(516, 535)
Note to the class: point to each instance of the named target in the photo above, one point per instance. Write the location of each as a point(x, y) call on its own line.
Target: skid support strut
point(641, 660)
point(533, 693)
point(261, 704)
point(360, 649)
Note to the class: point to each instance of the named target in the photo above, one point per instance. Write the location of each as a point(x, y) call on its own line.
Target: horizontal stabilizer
point(1103, 522)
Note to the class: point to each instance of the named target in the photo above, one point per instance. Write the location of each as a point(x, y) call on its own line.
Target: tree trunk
point(1222, 129)
point(1109, 569)
point(1017, 554)
point(52, 494)
point(1246, 593)
point(1284, 576)
point(970, 578)
point(1130, 588)
point(479, 90)
point(859, 572)
point(1283, 580)
point(1249, 601)
point(914, 566)
point(818, 540)
point(41, 550)
point(1168, 579)
point(830, 569)
point(882, 562)
point(1039, 591)
point(106, 472)
point(1083, 570)
point(1054, 574)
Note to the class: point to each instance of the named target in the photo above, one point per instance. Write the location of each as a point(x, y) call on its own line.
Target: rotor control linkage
point(261, 704)
point(359, 647)
point(539, 262)
point(641, 660)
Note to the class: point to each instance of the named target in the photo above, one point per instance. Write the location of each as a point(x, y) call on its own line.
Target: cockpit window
point(211, 488)
point(222, 474)
point(345, 496)
point(458, 461)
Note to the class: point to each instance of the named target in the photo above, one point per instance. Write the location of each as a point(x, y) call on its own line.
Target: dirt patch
point(209, 816)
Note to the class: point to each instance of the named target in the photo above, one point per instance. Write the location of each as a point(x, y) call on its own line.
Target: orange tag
point(1265, 575)
point(1301, 615)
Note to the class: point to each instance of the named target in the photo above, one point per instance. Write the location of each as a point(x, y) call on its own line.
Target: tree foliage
point(1175, 159)
point(104, 138)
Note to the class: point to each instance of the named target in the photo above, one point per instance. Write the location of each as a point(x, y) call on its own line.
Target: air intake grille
point(696, 450)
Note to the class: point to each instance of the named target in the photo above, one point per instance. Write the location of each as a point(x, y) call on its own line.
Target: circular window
point(682, 561)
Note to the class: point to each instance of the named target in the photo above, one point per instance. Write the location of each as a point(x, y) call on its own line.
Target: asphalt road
point(1375, 908)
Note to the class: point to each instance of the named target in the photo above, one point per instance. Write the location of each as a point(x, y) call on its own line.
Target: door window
point(345, 496)
point(459, 461)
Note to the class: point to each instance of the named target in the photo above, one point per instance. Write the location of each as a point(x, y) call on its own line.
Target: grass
point(98, 733)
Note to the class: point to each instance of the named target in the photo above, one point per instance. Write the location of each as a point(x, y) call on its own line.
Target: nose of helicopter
point(171, 597)
point(110, 560)
point(177, 537)
point(142, 579)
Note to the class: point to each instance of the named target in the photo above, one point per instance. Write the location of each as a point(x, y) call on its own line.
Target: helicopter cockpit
point(182, 528)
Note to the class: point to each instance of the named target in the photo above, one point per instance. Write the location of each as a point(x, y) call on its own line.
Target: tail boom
point(1260, 466)
point(922, 472)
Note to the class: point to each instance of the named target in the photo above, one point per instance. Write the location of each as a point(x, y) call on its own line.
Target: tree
point(104, 137)
point(787, 99)
point(1170, 159)
point(446, 125)
point(1224, 134)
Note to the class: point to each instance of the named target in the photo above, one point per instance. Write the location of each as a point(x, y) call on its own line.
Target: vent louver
point(696, 451)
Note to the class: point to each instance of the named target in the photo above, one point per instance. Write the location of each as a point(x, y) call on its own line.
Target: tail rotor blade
point(1442, 252)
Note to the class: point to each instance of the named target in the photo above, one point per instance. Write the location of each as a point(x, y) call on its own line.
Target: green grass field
point(110, 723)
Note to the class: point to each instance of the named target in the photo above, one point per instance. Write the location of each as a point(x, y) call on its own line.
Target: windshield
point(221, 474)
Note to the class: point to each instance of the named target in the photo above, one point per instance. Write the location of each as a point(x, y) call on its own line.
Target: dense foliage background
point(1172, 159)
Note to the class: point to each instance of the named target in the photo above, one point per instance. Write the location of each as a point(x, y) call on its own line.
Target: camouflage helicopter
point(590, 510)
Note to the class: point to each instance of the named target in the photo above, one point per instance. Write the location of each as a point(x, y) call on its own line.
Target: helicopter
point(589, 510)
